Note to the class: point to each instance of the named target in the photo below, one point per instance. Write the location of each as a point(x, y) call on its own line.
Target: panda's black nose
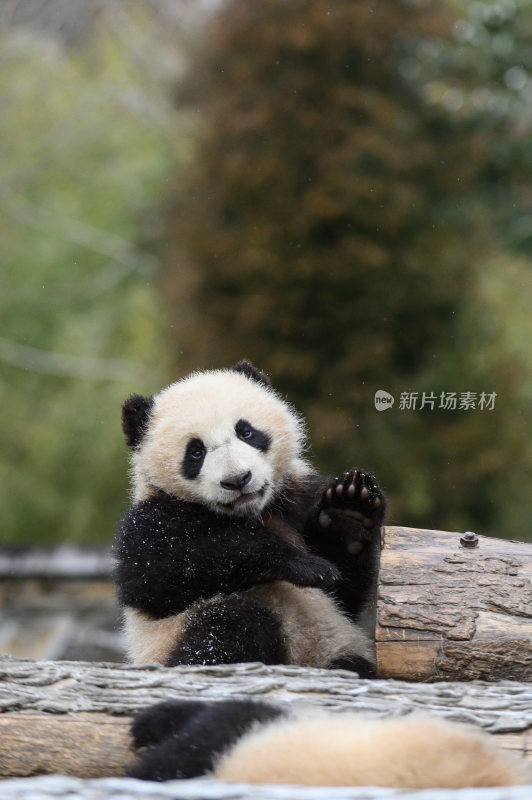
point(237, 481)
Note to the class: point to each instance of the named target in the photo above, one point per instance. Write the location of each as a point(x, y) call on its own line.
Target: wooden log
point(73, 717)
point(450, 611)
point(87, 745)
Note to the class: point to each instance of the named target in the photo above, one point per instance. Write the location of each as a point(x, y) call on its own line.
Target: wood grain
point(87, 745)
point(73, 718)
point(446, 612)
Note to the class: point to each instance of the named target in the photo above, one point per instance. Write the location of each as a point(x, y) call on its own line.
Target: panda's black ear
point(135, 415)
point(250, 371)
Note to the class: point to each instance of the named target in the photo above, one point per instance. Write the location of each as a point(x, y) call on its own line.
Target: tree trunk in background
point(446, 611)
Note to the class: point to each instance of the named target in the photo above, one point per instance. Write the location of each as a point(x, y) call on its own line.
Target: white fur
point(347, 750)
point(207, 406)
point(150, 641)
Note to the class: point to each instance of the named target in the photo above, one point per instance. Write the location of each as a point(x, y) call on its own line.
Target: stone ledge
point(58, 787)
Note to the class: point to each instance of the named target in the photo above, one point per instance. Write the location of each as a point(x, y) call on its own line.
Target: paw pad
point(355, 494)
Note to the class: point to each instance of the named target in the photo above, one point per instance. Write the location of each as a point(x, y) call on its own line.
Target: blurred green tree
point(335, 228)
point(88, 138)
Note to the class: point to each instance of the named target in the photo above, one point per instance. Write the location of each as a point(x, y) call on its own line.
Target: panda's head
point(223, 438)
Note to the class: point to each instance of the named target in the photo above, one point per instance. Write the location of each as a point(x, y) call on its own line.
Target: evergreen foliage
point(341, 226)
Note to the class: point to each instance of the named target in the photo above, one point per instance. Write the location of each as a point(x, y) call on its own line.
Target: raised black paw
point(354, 505)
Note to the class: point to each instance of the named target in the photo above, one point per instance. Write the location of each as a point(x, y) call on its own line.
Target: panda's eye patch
point(252, 436)
point(194, 457)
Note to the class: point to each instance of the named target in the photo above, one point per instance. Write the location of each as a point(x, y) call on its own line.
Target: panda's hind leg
point(196, 734)
point(162, 720)
point(229, 631)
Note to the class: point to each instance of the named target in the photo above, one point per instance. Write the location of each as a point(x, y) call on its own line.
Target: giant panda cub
point(235, 549)
point(254, 742)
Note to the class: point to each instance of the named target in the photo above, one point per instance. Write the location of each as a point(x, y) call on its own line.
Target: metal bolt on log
point(469, 539)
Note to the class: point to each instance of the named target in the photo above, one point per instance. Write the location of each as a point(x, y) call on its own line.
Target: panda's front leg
point(350, 516)
point(353, 507)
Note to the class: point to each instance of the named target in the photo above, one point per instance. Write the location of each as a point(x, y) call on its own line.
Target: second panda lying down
point(254, 742)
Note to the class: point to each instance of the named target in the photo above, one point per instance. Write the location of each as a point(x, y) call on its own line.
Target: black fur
point(184, 739)
point(300, 505)
point(360, 570)
point(159, 721)
point(230, 631)
point(250, 371)
point(250, 435)
point(357, 664)
point(136, 412)
point(171, 553)
point(193, 459)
